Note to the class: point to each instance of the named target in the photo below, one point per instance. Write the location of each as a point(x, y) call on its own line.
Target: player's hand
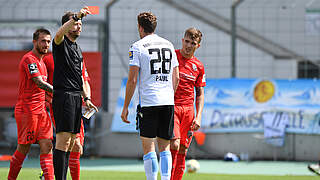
point(83, 12)
point(124, 115)
point(195, 125)
point(89, 105)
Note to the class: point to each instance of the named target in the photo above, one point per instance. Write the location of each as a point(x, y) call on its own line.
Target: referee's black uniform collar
point(69, 41)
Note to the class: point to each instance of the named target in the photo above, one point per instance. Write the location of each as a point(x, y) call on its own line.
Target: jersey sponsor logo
point(33, 68)
point(130, 55)
point(187, 76)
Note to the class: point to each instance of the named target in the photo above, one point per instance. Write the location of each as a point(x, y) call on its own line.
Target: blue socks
point(151, 165)
point(165, 165)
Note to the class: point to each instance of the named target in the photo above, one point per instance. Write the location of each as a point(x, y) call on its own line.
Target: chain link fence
point(275, 38)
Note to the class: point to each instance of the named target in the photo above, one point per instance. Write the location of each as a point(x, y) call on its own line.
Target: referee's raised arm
point(59, 37)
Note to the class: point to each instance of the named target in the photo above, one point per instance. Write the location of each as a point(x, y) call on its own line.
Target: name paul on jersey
point(161, 78)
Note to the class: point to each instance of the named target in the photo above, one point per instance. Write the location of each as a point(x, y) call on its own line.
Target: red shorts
point(183, 118)
point(79, 135)
point(33, 127)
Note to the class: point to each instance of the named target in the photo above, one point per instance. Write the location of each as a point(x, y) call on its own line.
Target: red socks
point(15, 165)
point(46, 163)
point(74, 165)
point(17, 161)
point(179, 167)
point(174, 154)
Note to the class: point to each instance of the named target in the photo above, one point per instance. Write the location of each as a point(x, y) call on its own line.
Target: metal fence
point(275, 38)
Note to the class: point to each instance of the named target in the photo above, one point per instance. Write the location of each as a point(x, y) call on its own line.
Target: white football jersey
point(156, 58)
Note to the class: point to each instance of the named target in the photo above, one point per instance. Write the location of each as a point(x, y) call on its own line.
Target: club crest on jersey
point(194, 67)
point(33, 68)
point(130, 55)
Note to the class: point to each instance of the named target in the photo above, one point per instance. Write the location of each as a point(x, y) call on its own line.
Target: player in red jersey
point(77, 150)
point(192, 76)
point(30, 112)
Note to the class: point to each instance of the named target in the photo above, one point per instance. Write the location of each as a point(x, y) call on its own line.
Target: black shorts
point(66, 108)
point(157, 121)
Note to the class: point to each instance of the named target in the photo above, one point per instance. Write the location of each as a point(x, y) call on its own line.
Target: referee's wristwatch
point(86, 99)
point(76, 18)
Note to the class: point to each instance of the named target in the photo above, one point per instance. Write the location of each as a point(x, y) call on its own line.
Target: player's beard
point(41, 51)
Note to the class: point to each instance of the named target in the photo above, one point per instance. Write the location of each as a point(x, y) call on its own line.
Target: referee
point(68, 89)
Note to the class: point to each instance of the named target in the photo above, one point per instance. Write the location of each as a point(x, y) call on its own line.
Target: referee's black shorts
point(66, 108)
point(157, 121)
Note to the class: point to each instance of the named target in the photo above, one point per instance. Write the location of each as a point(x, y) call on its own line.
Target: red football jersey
point(191, 73)
point(85, 72)
point(48, 61)
point(31, 99)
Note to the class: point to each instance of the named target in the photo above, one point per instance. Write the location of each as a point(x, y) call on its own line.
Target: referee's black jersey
point(67, 66)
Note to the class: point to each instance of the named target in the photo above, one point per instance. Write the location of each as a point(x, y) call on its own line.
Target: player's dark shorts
point(157, 121)
point(67, 111)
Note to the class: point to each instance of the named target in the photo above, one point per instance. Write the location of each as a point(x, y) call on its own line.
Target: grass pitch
point(33, 173)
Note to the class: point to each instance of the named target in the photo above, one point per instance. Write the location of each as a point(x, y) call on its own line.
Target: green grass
point(33, 173)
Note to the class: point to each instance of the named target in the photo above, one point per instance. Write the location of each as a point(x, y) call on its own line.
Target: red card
point(94, 9)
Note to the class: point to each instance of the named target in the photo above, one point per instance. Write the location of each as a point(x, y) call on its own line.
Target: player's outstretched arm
point(59, 37)
point(42, 84)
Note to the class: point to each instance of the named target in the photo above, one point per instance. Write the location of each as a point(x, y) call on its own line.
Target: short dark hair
point(194, 34)
point(66, 17)
point(147, 21)
point(40, 31)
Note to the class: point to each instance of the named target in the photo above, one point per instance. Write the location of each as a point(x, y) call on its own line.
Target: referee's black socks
point(66, 164)
point(59, 163)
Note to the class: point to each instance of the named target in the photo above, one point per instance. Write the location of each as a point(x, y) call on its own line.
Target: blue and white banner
point(117, 124)
point(243, 105)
